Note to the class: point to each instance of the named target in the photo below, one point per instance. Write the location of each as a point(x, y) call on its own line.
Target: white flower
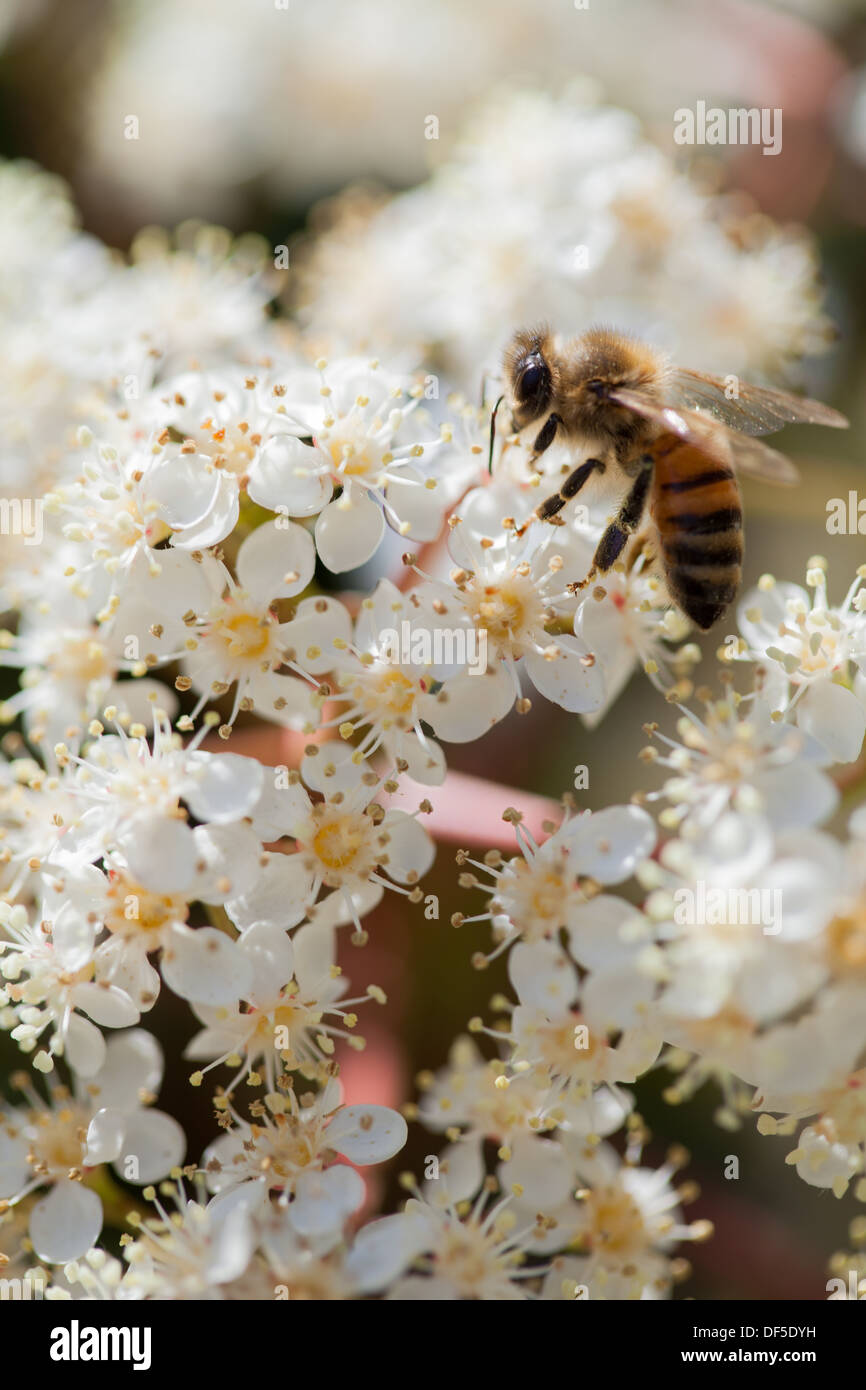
point(613, 233)
point(512, 591)
point(200, 964)
point(234, 426)
point(193, 1251)
point(70, 667)
point(550, 1036)
point(466, 1255)
point(37, 811)
point(328, 1267)
point(463, 1097)
point(76, 683)
point(281, 1008)
point(811, 1068)
point(49, 970)
point(817, 649)
point(627, 620)
point(107, 505)
point(54, 1144)
point(546, 886)
point(289, 1149)
point(136, 797)
point(234, 437)
point(407, 664)
point(738, 756)
point(99, 1277)
point(345, 841)
point(357, 419)
point(225, 630)
point(627, 1220)
point(120, 501)
point(737, 920)
point(195, 296)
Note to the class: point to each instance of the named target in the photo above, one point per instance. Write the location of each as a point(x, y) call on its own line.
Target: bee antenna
point(493, 434)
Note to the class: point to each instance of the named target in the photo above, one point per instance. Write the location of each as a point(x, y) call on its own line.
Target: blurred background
point(258, 115)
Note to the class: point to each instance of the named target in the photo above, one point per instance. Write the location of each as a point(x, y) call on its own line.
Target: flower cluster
point(261, 101)
point(223, 544)
point(599, 227)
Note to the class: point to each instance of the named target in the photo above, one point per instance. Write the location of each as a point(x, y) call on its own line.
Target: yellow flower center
point(353, 452)
point(616, 1224)
point(60, 1138)
point(642, 217)
point(232, 448)
point(79, 659)
point(246, 635)
point(468, 1257)
point(535, 896)
point(396, 691)
point(846, 941)
point(134, 910)
point(243, 634)
point(561, 1052)
point(338, 842)
point(508, 611)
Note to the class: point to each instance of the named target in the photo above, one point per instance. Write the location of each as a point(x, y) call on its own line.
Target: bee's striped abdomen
point(696, 509)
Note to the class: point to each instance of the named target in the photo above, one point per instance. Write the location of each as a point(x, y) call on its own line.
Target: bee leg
point(578, 476)
point(570, 488)
point(615, 537)
point(545, 437)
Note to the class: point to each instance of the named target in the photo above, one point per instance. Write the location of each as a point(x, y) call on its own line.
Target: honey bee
point(675, 436)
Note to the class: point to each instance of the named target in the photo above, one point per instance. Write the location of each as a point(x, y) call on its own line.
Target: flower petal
point(14, 1167)
point(160, 853)
point(85, 1046)
point(133, 1064)
point(367, 1133)
point(105, 1136)
point(608, 845)
point(323, 1201)
point(280, 896)
point(418, 508)
point(65, 1224)
point(205, 967)
point(835, 717)
point(410, 849)
point(468, 705)
point(348, 531)
point(566, 679)
point(384, 1249)
point(317, 623)
point(277, 560)
point(224, 787)
point(107, 1005)
point(156, 1141)
point(271, 958)
point(287, 475)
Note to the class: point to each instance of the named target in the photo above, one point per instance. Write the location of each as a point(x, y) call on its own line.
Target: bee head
point(530, 376)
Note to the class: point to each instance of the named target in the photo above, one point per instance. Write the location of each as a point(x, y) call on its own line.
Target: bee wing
point(714, 438)
point(757, 458)
point(753, 409)
point(665, 416)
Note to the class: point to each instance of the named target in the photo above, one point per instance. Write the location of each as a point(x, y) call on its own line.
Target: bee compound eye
point(534, 384)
